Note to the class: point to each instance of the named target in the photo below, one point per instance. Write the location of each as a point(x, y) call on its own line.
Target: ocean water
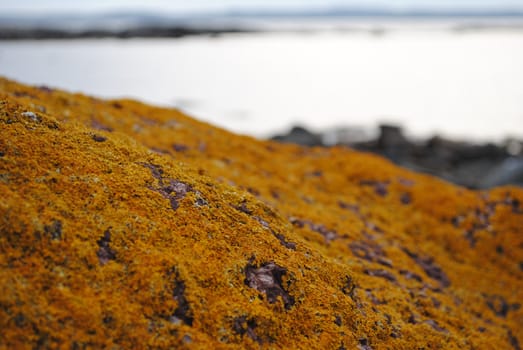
point(457, 84)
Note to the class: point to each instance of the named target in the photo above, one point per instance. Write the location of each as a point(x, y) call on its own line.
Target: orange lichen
point(129, 226)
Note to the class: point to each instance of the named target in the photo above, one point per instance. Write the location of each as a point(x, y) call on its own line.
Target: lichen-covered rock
point(129, 226)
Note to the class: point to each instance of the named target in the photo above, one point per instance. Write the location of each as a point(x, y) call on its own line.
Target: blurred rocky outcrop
point(464, 163)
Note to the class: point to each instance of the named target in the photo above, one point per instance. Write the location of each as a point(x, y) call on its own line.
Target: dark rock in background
point(463, 163)
point(300, 136)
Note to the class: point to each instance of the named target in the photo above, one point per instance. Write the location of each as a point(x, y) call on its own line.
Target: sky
point(184, 6)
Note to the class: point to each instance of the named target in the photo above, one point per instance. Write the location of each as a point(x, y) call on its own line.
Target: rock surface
point(129, 226)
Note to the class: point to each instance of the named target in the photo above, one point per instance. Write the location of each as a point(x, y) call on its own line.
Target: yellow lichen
point(129, 226)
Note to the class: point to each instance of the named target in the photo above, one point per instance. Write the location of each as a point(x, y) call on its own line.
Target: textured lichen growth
point(129, 226)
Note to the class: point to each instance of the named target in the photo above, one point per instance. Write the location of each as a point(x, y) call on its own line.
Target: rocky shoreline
point(475, 166)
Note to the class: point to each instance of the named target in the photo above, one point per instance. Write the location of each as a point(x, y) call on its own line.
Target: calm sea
point(459, 84)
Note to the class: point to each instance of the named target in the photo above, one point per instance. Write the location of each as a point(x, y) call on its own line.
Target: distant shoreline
point(142, 32)
point(125, 25)
point(176, 32)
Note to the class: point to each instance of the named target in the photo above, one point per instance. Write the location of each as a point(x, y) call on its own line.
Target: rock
point(509, 171)
point(241, 244)
point(391, 136)
point(301, 136)
point(514, 147)
point(31, 115)
point(392, 143)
